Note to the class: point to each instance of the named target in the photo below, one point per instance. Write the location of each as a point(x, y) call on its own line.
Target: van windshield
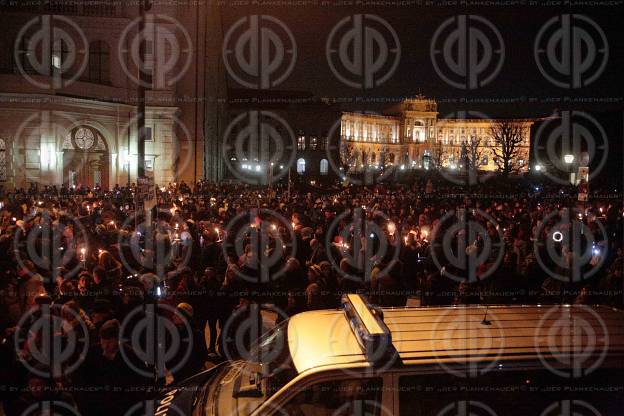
point(247, 384)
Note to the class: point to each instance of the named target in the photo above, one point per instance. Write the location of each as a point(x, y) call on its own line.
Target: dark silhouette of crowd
point(85, 270)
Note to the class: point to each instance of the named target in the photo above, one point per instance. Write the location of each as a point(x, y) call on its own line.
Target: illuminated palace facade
point(417, 139)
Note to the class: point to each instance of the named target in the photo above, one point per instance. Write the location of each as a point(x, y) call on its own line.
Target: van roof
point(459, 334)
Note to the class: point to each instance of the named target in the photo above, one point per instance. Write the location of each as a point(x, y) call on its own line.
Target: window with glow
point(324, 167)
point(301, 166)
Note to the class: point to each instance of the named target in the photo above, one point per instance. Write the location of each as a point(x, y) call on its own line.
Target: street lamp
point(568, 159)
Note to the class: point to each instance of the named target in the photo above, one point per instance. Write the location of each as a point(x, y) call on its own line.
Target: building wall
point(107, 102)
point(374, 140)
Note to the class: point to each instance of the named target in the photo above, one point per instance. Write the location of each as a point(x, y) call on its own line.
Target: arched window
point(301, 166)
point(3, 161)
point(99, 66)
point(324, 167)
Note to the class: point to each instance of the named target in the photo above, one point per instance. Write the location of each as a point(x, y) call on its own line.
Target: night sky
point(519, 80)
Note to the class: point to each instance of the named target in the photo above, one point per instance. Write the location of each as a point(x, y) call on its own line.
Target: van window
point(339, 398)
point(513, 393)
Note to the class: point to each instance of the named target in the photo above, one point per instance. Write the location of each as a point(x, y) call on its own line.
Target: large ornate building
point(416, 138)
point(69, 88)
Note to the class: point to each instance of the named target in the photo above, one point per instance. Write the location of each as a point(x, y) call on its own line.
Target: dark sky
point(519, 80)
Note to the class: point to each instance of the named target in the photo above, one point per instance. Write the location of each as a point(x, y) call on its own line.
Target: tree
point(437, 155)
point(474, 154)
point(507, 137)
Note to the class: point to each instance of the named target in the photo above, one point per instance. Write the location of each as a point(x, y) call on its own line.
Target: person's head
point(314, 273)
point(102, 311)
point(99, 274)
point(39, 386)
point(109, 338)
point(183, 314)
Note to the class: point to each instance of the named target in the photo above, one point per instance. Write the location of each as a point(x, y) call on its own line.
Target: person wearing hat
point(314, 291)
point(107, 368)
point(191, 353)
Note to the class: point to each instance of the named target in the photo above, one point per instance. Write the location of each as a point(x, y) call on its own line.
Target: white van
point(461, 360)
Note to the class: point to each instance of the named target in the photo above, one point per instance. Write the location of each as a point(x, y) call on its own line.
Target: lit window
point(313, 143)
point(301, 166)
point(301, 143)
point(324, 167)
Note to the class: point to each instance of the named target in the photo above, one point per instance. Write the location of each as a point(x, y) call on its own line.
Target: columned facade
point(418, 139)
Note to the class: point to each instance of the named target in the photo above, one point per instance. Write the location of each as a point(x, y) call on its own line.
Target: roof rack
point(366, 322)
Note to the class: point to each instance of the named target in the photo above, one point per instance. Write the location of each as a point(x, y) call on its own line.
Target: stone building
point(416, 138)
point(69, 88)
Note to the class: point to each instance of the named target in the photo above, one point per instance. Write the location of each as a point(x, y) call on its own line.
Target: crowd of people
point(96, 263)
